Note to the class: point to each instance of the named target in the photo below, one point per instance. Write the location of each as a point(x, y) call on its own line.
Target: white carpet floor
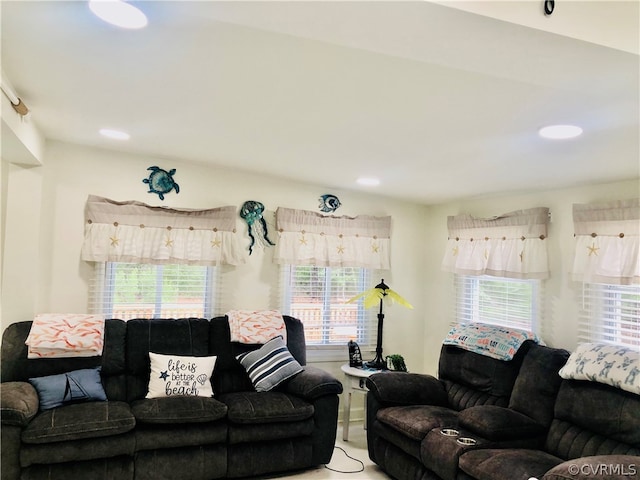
point(344, 468)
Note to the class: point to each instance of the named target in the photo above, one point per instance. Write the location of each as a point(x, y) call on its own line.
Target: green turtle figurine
point(160, 181)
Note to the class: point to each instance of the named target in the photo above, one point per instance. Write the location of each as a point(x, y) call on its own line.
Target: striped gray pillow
point(270, 365)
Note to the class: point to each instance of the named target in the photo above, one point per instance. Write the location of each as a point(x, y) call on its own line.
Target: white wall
point(559, 327)
point(70, 173)
point(44, 231)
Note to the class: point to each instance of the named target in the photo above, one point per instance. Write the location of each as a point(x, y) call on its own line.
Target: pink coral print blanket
point(259, 326)
point(65, 335)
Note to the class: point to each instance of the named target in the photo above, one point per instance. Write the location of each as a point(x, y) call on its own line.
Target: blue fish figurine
point(329, 203)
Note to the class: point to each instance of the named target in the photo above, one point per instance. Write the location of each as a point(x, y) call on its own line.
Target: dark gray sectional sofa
point(237, 433)
point(523, 419)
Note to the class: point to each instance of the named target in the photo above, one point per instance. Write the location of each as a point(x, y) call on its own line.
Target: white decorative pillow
point(175, 375)
point(270, 365)
point(609, 364)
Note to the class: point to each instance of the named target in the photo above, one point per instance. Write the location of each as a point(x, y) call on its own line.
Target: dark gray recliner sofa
point(406, 412)
point(594, 434)
point(238, 433)
point(523, 419)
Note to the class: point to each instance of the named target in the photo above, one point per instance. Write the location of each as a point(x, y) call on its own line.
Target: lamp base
point(377, 363)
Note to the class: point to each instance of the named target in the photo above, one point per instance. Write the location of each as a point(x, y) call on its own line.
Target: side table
point(356, 379)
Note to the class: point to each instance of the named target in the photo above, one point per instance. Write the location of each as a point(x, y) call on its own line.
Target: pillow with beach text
point(175, 375)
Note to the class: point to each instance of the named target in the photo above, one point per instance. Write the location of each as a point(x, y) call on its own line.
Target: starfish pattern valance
point(607, 247)
point(512, 245)
point(309, 238)
point(133, 232)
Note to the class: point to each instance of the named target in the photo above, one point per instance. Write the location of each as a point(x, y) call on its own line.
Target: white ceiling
point(438, 102)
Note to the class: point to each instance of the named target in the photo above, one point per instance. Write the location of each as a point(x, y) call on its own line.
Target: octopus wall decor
point(251, 212)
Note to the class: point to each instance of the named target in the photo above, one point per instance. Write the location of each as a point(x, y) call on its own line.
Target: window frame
point(333, 351)
point(102, 298)
point(468, 310)
point(602, 318)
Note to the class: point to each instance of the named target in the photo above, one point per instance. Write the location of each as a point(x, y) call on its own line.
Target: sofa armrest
point(499, 423)
point(19, 403)
point(612, 467)
point(399, 388)
point(313, 383)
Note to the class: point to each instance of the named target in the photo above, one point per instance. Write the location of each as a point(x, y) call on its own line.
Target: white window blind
point(130, 290)
point(610, 314)
point(318, 295)
point(506, 302)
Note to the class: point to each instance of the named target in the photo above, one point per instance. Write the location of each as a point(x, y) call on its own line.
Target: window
point(610, 314)
point(318, 295)
point(131, 290)
point(499, 301)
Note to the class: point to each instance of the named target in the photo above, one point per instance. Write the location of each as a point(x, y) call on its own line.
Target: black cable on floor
point(350, 457)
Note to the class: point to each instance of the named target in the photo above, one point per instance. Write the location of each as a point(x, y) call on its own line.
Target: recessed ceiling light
point(368, 181)
point(560, 131)
point(114, 134)
point(118, 13)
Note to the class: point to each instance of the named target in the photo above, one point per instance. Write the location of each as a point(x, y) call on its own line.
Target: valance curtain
point(309, 238)
point(607, 247)
point(512, 245)
point(134, 232)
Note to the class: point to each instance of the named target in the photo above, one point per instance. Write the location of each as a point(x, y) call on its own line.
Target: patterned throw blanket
point(490, 340)
point(65, 335)
point(253, 327)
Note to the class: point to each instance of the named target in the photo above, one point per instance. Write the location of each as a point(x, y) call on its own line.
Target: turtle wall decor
point(161, 182)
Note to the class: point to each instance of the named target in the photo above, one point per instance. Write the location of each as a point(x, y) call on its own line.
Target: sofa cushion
point(266, 407)
point(229, 376)
point(499, 423)
point(269, 365)
point(506, 464)
point(79, 421)
point(179, 375)
point(156, 436)
point(415, 421)
point(16, 366)
point(72, 387)
point(407, 389)
point(184, 336)
point(313, 383)
point(474, 379)
point(19, 403)
point(268, 432)
point(119, 467)
point(178, 410)
point(611, 467)
point(54, 455)
point(535, 390)
point(600, 409)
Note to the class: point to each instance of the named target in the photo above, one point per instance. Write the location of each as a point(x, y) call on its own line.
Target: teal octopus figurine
point(160, 181)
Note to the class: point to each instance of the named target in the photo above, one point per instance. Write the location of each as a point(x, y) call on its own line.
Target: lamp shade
point(380, 293)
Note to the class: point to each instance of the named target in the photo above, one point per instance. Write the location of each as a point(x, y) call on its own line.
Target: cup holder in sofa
point(466, 441)
point(449, 432)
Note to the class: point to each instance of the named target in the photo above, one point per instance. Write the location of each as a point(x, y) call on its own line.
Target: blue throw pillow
point(77, 386)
